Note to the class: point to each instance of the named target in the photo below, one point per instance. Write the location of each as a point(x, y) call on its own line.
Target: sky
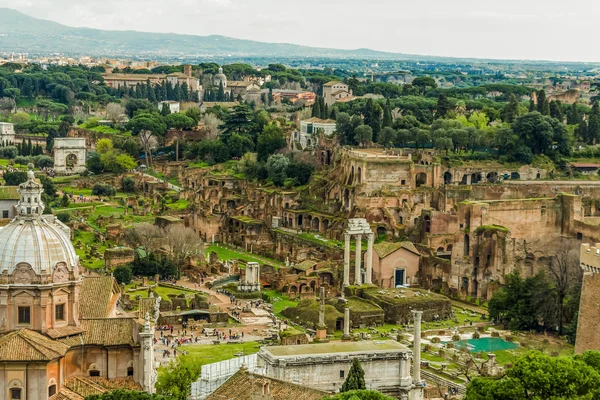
point(500, 29)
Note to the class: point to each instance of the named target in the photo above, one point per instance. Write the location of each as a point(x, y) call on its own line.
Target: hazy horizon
point(539, 30)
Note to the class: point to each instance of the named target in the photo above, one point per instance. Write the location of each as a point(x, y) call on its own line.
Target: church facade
point(60, 334)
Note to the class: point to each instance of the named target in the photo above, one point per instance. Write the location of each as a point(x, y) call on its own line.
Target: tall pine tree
point(542, 105)
point(573, 116)
point(556, 110)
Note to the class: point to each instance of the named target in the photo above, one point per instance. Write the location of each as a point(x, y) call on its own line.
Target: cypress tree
point(556, 110)
point(542, 103)
point(582, 131)
point(324, 110)
point(443, 106)
point(573, 116)
point(531, 105)
point(316, 109)
point(387, 115)
point(221, 92)
point(333, 114)
point(511, 110)
point(594, 124)
point(355, 379)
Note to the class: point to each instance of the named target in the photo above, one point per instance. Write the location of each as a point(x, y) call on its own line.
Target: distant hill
point(25, 34)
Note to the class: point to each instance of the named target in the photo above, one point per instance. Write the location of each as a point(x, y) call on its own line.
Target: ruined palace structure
point(588, 325)
point(469, 225)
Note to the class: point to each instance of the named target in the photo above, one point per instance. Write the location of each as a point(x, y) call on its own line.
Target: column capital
point(347, 236)
point(417, 315)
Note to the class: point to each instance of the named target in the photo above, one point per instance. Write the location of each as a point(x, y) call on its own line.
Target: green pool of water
point(485, 344)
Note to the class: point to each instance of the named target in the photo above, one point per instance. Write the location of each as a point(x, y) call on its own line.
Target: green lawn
point(227, 253)
point(179, 205)
point(211, 353)
point(162, 291)
point(281, 301)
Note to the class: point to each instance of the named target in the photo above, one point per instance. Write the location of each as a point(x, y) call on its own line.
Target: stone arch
point(71, 160)
point(440, 249)
point(427, 220)
point(492, 177)
point(316, 224)
point(465, 179)
point(351, 177)
point(515, 175)
point(421, 179)
point(381, 230)
point(449, 248)
point(475, 178)
point(346, 198)
point(467, 244)
point(447, 178)
point(130, 369)
point(299, 221)
point(359, 175)
point(325, 224)
point(15, 389)
point(328, 157)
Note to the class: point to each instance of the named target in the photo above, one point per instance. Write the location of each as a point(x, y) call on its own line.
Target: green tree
point(443, 106)
point(355, 379)
point(147, 127)
point(511, 109)
point(128, 184)
point(316, 108)
point(556, 110)
point(123, 274)
point(344, 127)
point(536, 375)
point(277, 167)
point(15, 178)
point(179, 122)
point(594, 123)
point(64, 201)
point(373, 118)
point(573, 116)
point(359, 395)
point(269, 141)
point(239, 145)
point(542, 105)
point(387, 115)
point(240, 120)
point(424, 83)
point(363, 135)
point(387, 137)
point(94, 163)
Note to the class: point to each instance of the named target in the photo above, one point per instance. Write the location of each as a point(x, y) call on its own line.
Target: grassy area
point(210, 353)
point(198, 164)
point(179, 205)
point(280, 301)
point(162, 291)
point(226, 253)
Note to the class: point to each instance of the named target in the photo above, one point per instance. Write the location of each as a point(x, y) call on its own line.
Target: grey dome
point(42, 243)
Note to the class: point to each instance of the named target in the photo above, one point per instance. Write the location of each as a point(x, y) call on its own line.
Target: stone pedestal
point(321, 334)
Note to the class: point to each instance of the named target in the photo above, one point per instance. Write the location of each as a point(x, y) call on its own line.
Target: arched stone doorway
point(447, 178)
point(421, 179)
point(492, 177)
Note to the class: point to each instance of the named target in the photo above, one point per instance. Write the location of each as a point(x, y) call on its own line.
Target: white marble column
point(257, 282)
point(357, 275)
point(346, 260)
point(417, 347)
point(346, 322)
point(405, 378)
point(321, 307)
point(369, 262)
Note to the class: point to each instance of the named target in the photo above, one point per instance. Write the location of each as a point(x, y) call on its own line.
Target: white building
point(310, 129)
point(334, 91)
point(7, 133)
point(174, 106)
point(325, 366)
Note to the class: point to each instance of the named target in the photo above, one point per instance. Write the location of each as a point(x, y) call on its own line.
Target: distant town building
point(173, 106)
point(395, 264)
point(334, 91)
point(116, 80)
point(309, 131)
point(7, 133)
point(220, 79)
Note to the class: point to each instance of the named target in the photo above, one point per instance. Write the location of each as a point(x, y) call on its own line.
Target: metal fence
point(216, 374)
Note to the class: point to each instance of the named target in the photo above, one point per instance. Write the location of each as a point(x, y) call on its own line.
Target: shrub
point(476, 335)
point(9, 152)
point(63, 217)
point(128, 184)
point(42, 161)
point(15, 178)
point(456, 337)
point(104, 190)
point(123, 274)
point(435, 339)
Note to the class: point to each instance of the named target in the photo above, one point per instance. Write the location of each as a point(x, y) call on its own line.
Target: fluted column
point(417, 346)
point(369, 262)
point(357, 275)
point(346, 260)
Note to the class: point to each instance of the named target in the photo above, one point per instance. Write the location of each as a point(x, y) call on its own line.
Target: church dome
point(220, 78)
point(31, 239)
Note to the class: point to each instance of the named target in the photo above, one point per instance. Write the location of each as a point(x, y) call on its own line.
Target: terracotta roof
point(104, 332)
point(96, 296)
point(384, 249)
point(27, 345)
point(83, 386)
point(70, 330)
point(585, 165)
point(244, 385)
point(304, 265)
point(66, 394)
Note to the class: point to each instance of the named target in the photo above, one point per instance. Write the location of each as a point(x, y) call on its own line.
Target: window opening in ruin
point(342, 374)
